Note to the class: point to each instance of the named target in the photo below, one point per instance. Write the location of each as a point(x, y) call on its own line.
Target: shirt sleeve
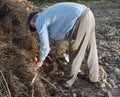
point(44, 43)
point(42, 30)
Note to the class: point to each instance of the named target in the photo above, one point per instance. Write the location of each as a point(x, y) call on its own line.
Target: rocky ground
point(18, 47)
point(108, 41)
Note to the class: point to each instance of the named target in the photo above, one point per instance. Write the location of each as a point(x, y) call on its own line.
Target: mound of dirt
point(17, 48)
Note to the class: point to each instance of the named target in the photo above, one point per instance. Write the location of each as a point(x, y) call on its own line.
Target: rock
point(111, 81)
point(108, 94)
point(115, 92)
point(108, 85)
point(117, 71)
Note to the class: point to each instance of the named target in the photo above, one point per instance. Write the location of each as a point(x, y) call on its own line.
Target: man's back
point(60, 18)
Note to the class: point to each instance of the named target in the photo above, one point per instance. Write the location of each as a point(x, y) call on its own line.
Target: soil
point(18, 47)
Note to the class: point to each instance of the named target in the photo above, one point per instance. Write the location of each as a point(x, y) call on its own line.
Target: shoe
point(83, 76)
point(66, 86)
point(96, 84)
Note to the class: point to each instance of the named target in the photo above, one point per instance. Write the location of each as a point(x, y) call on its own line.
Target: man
point(73, 22)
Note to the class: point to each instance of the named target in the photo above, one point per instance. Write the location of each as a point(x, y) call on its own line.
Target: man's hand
point(38, 65)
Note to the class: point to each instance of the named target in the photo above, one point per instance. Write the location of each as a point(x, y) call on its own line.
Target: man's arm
point(44, 46)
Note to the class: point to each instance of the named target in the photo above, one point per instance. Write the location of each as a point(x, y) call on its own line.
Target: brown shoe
point(83, 76)
point(96, 84)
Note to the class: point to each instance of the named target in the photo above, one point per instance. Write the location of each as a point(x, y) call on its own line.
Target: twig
point(33, 80)
point(48, 82)
point(33, 91)
point(32, 83)
point(6, 83)
point(50, 58)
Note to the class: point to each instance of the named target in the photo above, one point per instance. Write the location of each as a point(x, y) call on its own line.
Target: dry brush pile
point(17, 48)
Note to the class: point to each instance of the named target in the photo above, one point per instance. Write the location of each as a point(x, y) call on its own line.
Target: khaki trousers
point(82, 41)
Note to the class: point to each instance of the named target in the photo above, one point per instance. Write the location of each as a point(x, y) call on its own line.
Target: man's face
point(32, 22)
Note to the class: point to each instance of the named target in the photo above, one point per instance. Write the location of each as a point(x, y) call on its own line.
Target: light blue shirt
point(55, 23)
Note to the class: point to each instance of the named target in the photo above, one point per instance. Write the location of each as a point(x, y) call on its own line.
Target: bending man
point(73, 22)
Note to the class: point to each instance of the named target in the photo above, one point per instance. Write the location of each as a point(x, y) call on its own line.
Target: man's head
point(31, 21)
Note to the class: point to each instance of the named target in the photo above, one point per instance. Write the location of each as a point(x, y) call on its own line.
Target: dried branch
point(9, 93)
point(48, 82)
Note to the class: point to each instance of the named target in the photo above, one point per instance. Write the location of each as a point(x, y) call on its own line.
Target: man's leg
point(92, 59)
point(79, 45)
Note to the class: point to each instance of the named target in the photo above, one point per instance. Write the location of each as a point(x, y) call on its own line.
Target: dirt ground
point(18, 47)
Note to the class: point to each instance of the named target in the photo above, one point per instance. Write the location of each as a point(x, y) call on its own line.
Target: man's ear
point(32, 25)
